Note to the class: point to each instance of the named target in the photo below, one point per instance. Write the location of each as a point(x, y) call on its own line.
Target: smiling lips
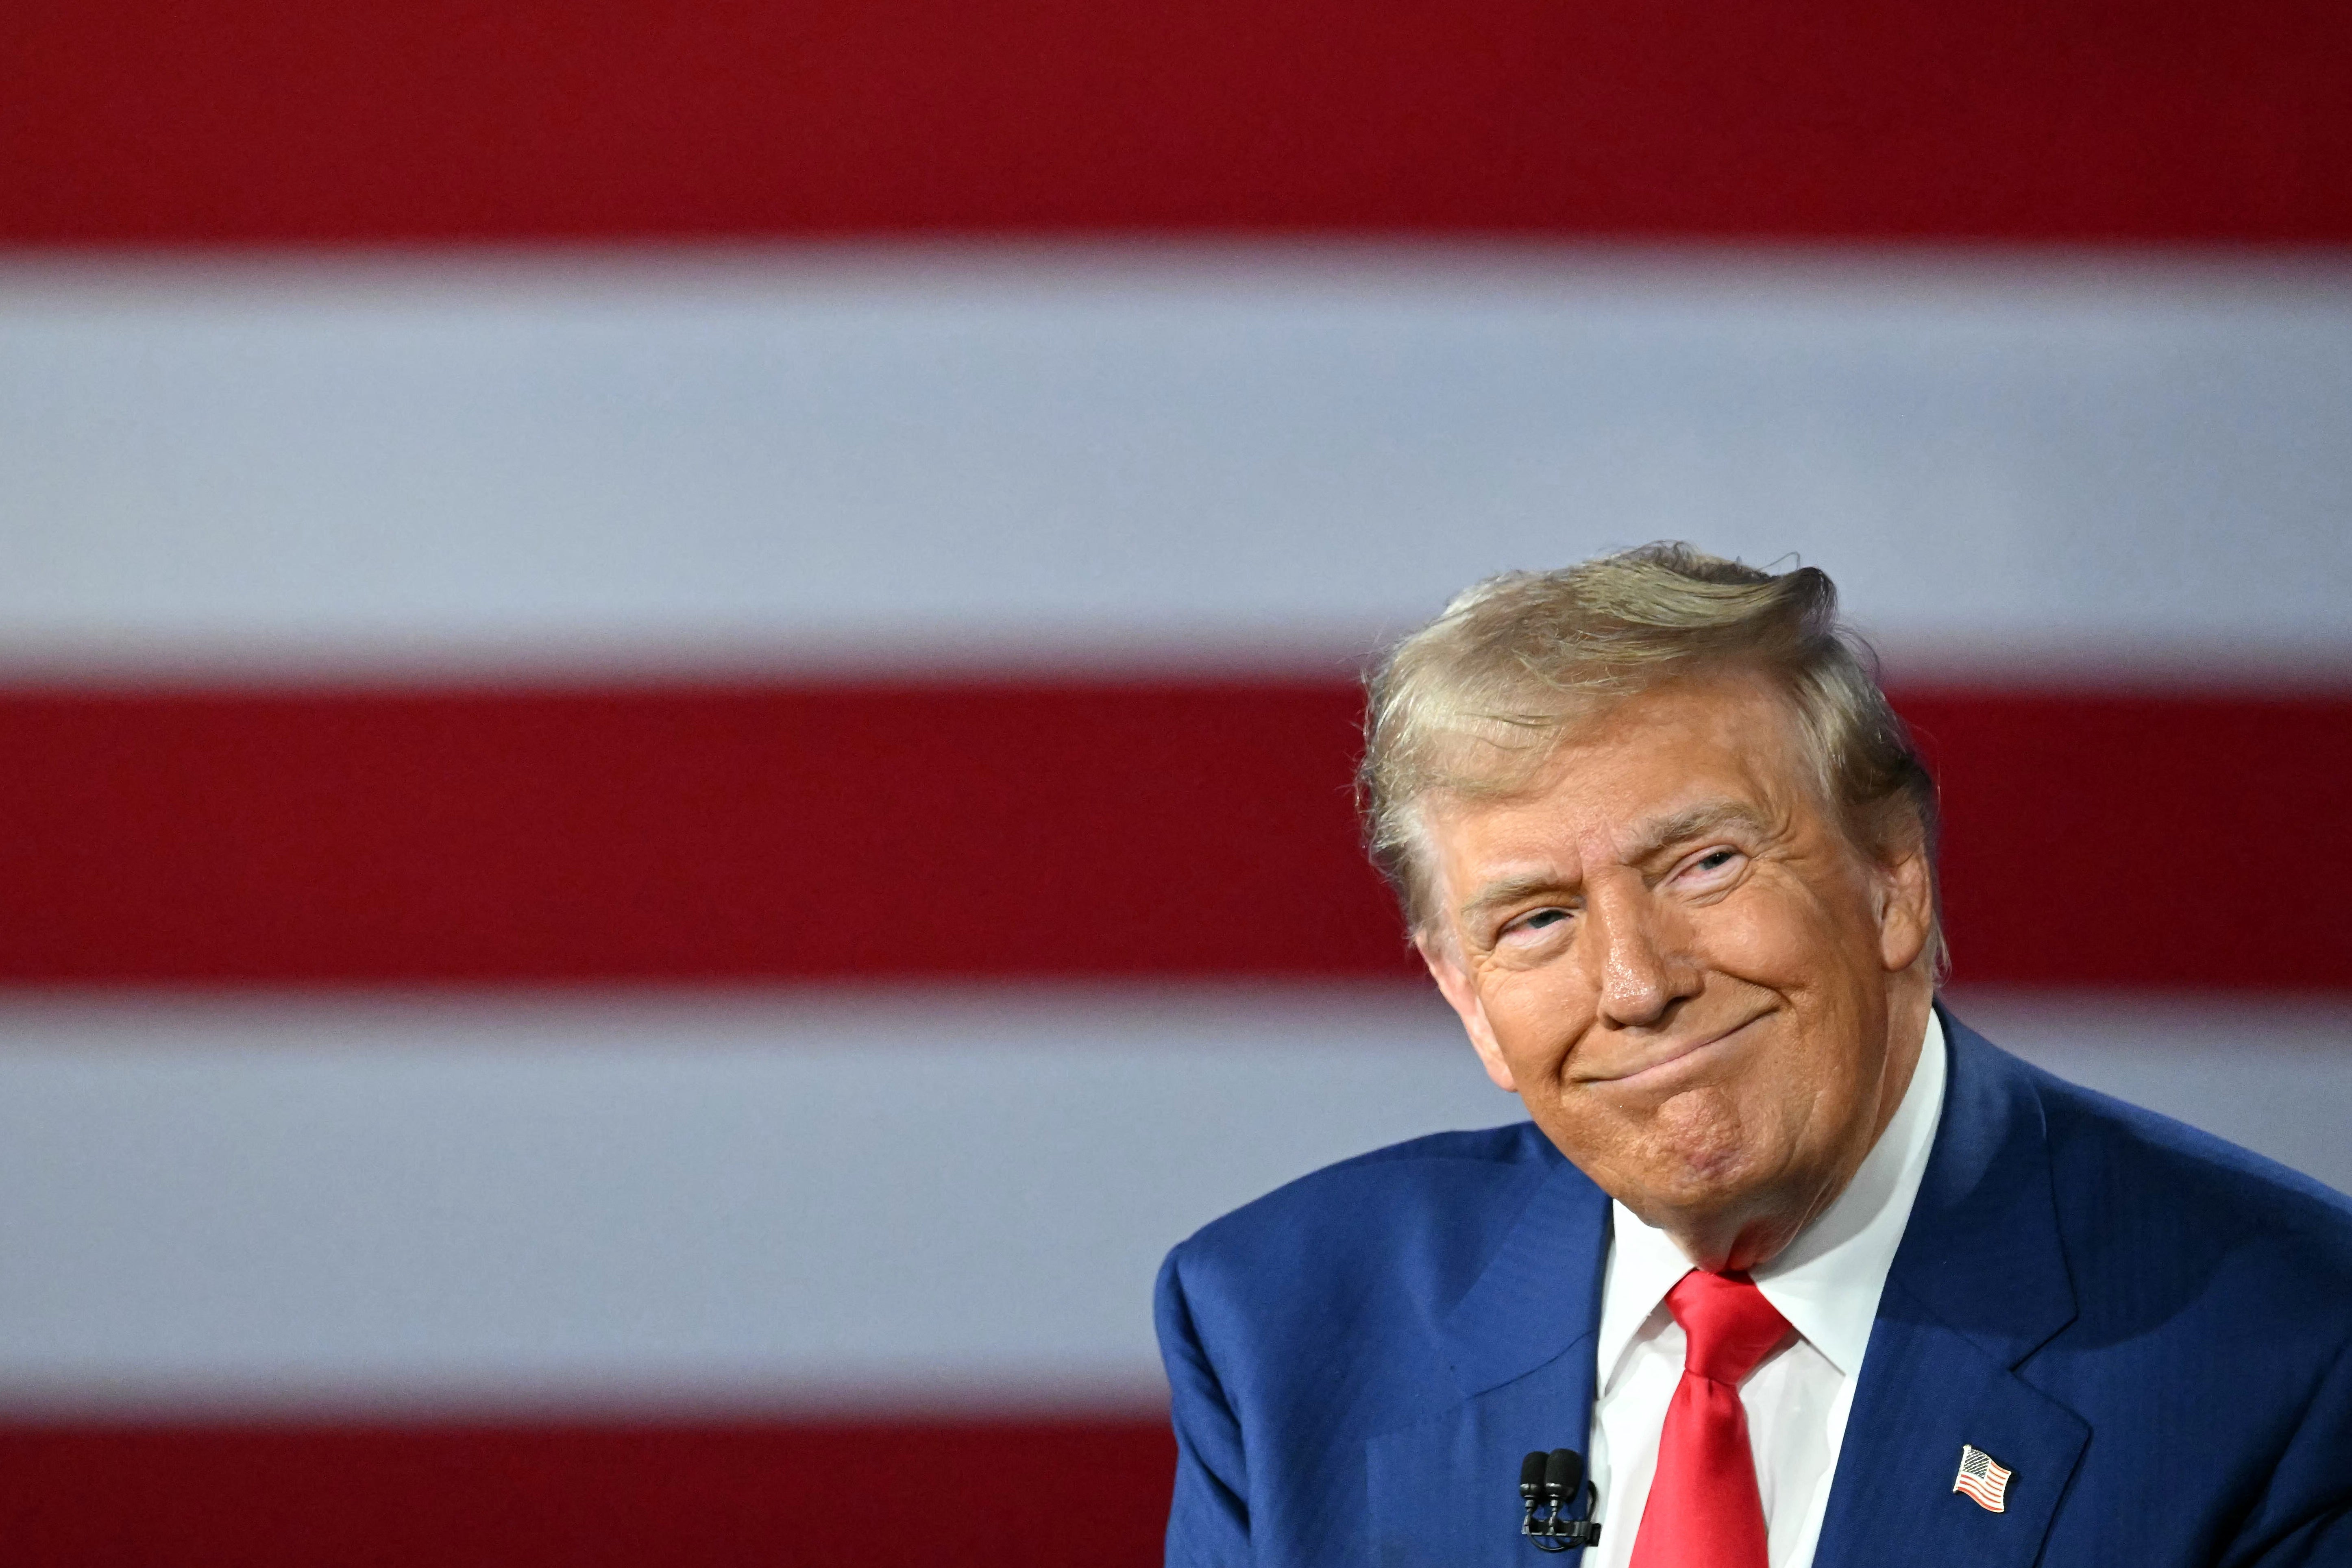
point(1655, 1060)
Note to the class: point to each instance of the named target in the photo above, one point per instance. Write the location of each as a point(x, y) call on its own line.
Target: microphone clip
point(1549, 1484)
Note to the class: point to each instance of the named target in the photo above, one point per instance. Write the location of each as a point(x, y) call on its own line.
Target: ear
point(1453, 983)
point(1906, 907)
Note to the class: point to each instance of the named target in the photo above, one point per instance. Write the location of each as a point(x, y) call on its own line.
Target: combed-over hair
point(1472, 704)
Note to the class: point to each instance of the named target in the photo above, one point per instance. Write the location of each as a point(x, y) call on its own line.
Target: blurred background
point(676, 676)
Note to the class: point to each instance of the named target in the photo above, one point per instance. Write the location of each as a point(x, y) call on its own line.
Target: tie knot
point(1728, 1324)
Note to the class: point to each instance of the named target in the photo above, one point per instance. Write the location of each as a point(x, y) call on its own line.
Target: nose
point(1643, 970)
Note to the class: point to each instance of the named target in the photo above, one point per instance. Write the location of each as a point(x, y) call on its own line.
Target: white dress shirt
point(1826, 1283)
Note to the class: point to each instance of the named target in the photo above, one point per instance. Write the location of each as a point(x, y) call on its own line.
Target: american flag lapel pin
point(1982, 1480)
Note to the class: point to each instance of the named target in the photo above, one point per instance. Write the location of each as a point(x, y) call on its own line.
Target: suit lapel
point(1443, 1492)
point(1979, 1285)
point(1925, 1392)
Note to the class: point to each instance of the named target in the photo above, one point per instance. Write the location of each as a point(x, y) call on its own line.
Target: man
point(1814, 1273)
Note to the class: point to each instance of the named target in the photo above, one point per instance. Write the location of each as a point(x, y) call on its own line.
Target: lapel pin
point(1982, 1480)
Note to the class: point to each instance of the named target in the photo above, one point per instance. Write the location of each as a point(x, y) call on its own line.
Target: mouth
point(1670, 1058)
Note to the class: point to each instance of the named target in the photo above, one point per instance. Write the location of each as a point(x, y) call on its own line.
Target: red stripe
point(2144, 841)
point(685, 836)
point(240, 120)
point(1033, 1495)
point(1021, 831)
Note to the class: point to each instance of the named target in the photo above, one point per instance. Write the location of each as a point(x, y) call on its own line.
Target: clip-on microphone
point(1557, 1478)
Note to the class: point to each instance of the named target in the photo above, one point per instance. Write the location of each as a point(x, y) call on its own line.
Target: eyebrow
point(1701, 818)
point(1705, 817)
point(1510, 890)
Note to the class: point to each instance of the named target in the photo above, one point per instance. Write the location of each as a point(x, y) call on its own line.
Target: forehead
point(1618, 772)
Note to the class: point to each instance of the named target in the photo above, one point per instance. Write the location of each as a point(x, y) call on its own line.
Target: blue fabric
point(2150, 1328)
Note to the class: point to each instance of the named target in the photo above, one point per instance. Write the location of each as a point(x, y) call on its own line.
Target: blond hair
point(1471, 704)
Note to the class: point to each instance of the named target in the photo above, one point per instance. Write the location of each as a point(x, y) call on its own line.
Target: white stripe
point(925, 458)
point(779, 1202)
point(801, 1200)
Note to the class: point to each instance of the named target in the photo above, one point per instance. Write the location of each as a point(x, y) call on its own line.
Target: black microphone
point(1551, 1483)
point(1563, 1476)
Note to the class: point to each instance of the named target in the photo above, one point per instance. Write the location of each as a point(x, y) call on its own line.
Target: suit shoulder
point(1516, 1143)
point(1430, 1168)
point(1447, 1192)
point(2144, 1179)
point(2084, 1123)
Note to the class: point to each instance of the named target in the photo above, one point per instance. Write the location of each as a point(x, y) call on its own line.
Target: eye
point(1533, 921)
point(1714, 865)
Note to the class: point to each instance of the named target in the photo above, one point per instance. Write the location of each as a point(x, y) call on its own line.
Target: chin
point(1693, 1156)
point(1699, 1138)
point(1688, 1190)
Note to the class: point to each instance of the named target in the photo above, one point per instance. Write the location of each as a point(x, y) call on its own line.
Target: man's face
point(1707, 996)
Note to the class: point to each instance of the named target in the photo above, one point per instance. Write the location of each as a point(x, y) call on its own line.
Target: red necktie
point(1704, 1510)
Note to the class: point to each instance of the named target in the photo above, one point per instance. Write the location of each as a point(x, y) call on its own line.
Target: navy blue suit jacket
point(2148, 1326)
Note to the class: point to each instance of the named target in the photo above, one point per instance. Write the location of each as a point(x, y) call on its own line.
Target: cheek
point(1774, 936)
point(1536, 1016)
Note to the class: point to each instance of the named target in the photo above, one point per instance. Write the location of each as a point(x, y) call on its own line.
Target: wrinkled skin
point(1707, 996)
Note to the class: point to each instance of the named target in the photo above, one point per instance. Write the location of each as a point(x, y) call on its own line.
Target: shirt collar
point(1827, 1282)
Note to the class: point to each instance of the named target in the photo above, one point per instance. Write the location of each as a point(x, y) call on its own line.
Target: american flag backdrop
point(677, 679)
